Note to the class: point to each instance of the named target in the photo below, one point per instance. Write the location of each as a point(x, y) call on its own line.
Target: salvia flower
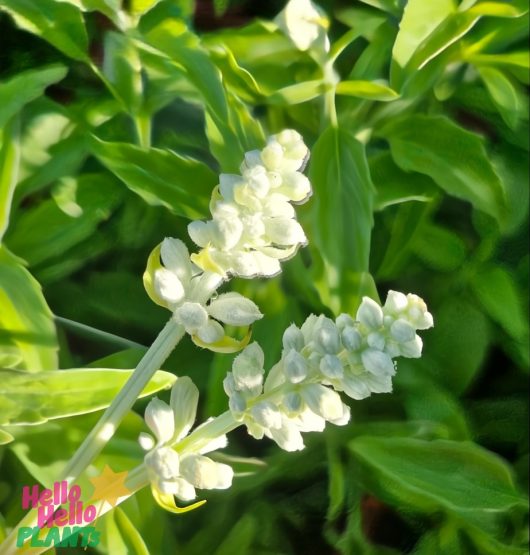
point(186, 290)
point(171, 472)
point(253, 225)
point(320, 360)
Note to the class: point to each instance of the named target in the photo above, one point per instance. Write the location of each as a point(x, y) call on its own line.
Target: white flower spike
point(300, 393)
point(253, 225)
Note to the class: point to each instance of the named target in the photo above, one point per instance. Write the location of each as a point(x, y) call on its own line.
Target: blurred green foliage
point(115, 119)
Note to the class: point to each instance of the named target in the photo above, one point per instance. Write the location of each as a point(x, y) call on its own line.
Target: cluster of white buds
point(186, 290)
point(178, 473)
point(253, 225)
point(322, 358)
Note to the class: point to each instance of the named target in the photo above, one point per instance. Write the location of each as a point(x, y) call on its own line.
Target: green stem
point(142, 123)
point(162, 347)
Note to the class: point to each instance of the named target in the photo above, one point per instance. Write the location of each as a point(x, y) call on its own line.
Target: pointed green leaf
point(36, 398)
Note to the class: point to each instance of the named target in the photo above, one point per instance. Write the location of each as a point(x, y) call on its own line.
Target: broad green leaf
point(25, 320)
point(440, 248)
point(342, 218)
point(426, 400)
point(458, 478)
point(453, 157)
point(59, 224)
point(301, 92)
point(509, 59)
point(390, 6)
point(456, 347)
point(419, 19)
point(498, 9)
point(501, 298)
point(139, 7)
point(111, 8)
point(9, 167)
point(367, 89)
point(122, 68)
point(160, 177)
point(363, 20)
point(504, 94)
point(39, 397)
point(171, 37)
point(394, 186)
point(58, 23)
point(25, 87)
point(240, 538)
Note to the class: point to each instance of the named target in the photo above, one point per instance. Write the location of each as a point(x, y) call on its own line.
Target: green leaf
point(171, 37)
point(122, 68)
point(509, 59)
point(37, 398)
point(504, 94)
point(342, 218)
point(160, 177)
point(58, 23)
point(131, 536)
point(394, 186)
point(84, 203)
point(9, 167)
point(500, 297)
point(456, 348)
point(440, 248)
point(25, 320)
point(5, 437)
point(458, 478)
point(419, 19)
point(453, 157)
point(301, 92)
point(25, 87)
point(367, 89)
point(497, 9)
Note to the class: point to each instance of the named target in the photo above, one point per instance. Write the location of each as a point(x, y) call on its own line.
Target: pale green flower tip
point(159, 419)
point(183, 402)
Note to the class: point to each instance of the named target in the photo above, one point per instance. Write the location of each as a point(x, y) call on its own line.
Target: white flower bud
point(272, 155)
point(227, 183)
point(247, 368)
point(402, 331)
point(258, 181)
point(162, 463)
point(252, 158)
point(322, 401)
point(351, 338)
point(237, 404)
point(284, 231)
point(376, 340)
point(295, 186)
point(295, 367)
point(168, 286)
point(412, 349)
point(146, 441)
point(331, 367)
point(266, 414)
point(292, 403)
point(395, 302)
point(183, 490)
point(327, 336)
point(159, 417)
point(293, 338)
point(377, 362)
point(203, 473)
point(355, 387)
point(288, 437)
point(200, 232)
point(176, 258)
point(234, 309)
point(370, 313)
point(344, 321)
point(302, 22)
point(211, 332)
point(192, 316)
point(184, 400)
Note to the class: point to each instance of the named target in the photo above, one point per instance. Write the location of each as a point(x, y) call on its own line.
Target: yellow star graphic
point(109, 486)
